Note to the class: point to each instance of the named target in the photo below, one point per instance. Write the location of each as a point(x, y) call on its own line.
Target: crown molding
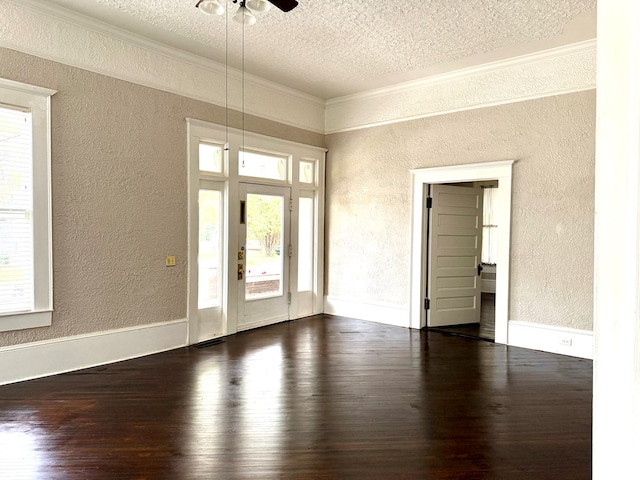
point(37, 28)
point(34, 27)
point(556, 71)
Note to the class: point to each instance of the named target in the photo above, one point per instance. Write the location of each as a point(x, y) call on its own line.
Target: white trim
point(616, 375)
point(552, 72)
point(26, 88)
point(37, 100)
point(501, 171)
point(209, 130)
point(235, 139)
point(389, 314)
point(111, 51)
point(547, 338)
point(24, 320)
point(50, 357)
point(27, 27)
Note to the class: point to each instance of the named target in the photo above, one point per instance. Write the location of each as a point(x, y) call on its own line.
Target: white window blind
point(489, 226)
point(26, 270)
point(16, 211)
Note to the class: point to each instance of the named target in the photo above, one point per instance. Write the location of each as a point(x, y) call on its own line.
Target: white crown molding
point(37, 28)
point(556, 71)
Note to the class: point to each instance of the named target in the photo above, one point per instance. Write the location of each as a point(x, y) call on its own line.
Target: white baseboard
point(40, 359)
point(374, 312)
point(566, 341)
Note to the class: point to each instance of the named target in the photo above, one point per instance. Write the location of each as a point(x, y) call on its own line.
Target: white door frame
point(501, 171)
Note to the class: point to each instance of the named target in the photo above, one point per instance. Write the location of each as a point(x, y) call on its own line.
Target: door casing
point(501, 171)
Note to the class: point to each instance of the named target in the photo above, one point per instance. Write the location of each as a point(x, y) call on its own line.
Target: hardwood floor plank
point(318, 398)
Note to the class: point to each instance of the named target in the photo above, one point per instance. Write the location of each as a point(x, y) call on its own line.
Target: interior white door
point(455, 248)
point(263, 255)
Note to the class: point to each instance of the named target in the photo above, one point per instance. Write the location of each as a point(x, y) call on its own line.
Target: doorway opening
point(420, 303)
point(462, 258)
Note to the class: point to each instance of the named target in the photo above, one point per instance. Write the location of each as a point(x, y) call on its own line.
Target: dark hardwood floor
point(485, 330)
point(320, 398)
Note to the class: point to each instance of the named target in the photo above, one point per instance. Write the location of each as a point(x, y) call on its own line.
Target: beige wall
point(119, 199)
point(119, 175)
point(369, 205)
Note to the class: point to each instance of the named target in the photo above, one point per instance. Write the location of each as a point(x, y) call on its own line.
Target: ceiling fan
point(215, 7)
point(285, 5)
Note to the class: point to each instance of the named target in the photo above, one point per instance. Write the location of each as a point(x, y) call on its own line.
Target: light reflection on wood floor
point(318, 398)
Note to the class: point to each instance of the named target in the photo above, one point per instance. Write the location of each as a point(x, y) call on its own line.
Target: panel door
point(455, 248)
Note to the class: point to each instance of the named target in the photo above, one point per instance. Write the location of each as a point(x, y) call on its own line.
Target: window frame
point(38, 101)
point(235, 141)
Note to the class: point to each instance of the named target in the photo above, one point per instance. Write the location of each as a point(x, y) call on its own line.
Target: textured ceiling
point(330, 48)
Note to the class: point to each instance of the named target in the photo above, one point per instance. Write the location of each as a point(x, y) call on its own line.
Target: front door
point(455, 247)
point(263, 255)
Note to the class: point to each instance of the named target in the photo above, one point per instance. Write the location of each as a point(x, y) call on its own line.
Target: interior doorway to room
point(423, 178)
point(461, 258)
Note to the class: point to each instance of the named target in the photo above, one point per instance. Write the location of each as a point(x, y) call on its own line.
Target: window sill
point(23, 320)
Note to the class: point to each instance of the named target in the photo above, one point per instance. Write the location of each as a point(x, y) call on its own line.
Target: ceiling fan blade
point(285, 5)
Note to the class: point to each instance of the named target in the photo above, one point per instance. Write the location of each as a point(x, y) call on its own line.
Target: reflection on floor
point(485, 330)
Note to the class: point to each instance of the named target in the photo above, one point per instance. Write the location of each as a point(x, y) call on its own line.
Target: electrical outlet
point(170, 261)
point(565, 341)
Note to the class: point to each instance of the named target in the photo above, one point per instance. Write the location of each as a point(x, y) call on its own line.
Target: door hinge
point(291, 250)
point(291, 205)
point(429, 202)
point(289, 298)
point(427, 304)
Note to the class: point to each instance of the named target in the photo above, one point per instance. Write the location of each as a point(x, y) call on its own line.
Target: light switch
point(170, 261)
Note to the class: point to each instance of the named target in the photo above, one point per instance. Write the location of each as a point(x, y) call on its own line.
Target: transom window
point(210, 157)
point(262, 165)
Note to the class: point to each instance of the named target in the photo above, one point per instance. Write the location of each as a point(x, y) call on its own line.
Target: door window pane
point(305, 245)
point(210, 157)
point(209, 250)
point(261, 165)
point(264, 249)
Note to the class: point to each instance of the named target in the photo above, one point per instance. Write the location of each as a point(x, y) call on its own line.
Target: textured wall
point(119, 175)
point(369, 204)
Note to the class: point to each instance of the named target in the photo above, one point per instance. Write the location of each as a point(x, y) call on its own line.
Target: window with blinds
point(26, 270)
point(16, 209)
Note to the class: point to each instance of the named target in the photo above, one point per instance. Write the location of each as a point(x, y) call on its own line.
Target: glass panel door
point(263, 255)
